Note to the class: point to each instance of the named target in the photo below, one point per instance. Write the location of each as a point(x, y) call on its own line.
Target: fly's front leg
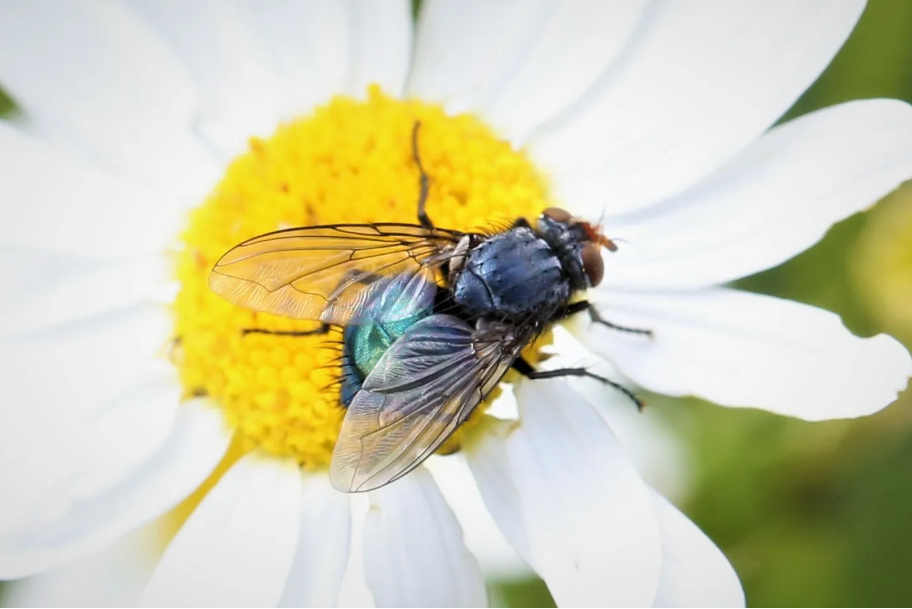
point(526, 369)
point(424, 182)
point(584, 305)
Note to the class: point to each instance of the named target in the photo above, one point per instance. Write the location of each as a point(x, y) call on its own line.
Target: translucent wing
point(423, 387)
point(322, 272)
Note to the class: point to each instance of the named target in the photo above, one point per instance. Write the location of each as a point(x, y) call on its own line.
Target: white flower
point(656, 114)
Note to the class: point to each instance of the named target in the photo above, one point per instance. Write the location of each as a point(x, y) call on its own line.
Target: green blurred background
point(815, 514)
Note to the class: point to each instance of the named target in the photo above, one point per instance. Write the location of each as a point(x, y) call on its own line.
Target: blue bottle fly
point(431, 318)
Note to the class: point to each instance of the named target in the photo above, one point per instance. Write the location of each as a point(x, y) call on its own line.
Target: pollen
point(350, 161)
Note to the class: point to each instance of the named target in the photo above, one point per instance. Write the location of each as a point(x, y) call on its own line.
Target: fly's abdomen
point(363, 346)
point(394, 305)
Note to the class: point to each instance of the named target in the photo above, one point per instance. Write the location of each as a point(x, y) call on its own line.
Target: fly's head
point(578, 246)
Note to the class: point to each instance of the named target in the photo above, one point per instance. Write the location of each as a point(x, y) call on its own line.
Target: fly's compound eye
point(558, 215)
point(592, 263)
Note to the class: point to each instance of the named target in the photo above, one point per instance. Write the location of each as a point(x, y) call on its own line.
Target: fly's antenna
point(601, 220)
point(610, 244)
point(594, 233)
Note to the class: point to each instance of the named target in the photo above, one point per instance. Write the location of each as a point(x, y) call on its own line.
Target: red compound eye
point(592, 263)
point(558, 214)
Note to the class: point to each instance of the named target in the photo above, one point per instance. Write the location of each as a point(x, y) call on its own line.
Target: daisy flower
point(154, 136)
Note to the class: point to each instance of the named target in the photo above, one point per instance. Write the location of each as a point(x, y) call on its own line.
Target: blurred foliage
point(6, 104)
point(811, 514)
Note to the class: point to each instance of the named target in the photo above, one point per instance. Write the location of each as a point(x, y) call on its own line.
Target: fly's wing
point(423, 387)
point(330, 273)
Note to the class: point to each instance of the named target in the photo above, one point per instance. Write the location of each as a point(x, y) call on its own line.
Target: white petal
point(83, 406)
point(113, 577)
point(355, 591)
point(697, 83)
point(483, 535)
point(75, 371)
point(57, 204)
point(36, 284)
point(309, 49)
point(775, 199)
point(577, 43)
point(741, 349)
point(321, 48)
point(465, 49)
point(246, 56)
point(49, 465)
point(196, 444)
point(490, 464)
point(587, 514)
point(227, 58)
point(381, 38)
point(414, 555)
point(695, 573)
point(91, 73)
point(237, 547)
point(323, 542)
point(649, 439)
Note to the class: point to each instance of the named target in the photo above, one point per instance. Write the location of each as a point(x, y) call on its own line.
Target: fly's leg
point(526, 369)
point(323, 329)
point(596, 317)
point(424, 181)
point(584, 305)
point(359, 276)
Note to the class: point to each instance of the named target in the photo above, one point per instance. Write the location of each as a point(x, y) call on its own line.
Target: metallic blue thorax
point(510, 276)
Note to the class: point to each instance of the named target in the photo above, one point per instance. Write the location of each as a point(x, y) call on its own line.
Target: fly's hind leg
point(526, 369)
point(424, 182)
point(584, 305)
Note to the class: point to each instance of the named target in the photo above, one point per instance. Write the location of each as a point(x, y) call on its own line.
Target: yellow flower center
point(350, 161)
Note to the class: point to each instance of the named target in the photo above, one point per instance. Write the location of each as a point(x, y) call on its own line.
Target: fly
point(432, 318)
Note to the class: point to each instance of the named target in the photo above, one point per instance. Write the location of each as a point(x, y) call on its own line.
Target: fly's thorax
point(512, 275)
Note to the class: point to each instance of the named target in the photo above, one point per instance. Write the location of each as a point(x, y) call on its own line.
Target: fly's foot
point(524, 368)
